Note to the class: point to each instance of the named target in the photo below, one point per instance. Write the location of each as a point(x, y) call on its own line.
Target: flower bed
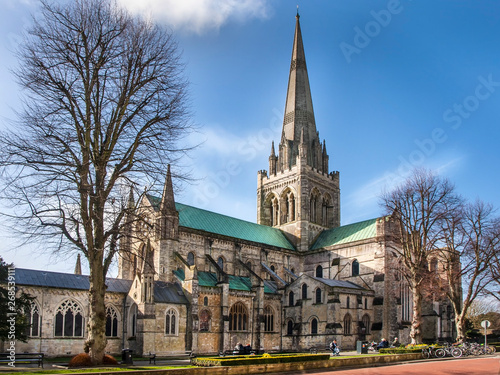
point(257, 359)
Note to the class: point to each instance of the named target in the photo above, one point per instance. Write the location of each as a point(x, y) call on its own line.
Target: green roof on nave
point(212, 222)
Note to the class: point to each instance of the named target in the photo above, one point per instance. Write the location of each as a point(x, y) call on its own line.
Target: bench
point(22, 358)
point(152, 358)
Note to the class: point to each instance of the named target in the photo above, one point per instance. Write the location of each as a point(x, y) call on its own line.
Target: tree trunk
point(460, 325)
point(415, 331)
point(96, 328)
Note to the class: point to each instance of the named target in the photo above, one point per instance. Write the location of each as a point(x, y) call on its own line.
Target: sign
point(485, 324)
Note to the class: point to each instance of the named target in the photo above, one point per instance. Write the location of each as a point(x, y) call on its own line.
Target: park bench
point(22, 358)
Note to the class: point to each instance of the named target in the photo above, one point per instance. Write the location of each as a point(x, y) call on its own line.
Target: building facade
point(192, 280)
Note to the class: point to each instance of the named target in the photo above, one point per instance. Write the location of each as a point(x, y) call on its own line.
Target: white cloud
point(198, 16)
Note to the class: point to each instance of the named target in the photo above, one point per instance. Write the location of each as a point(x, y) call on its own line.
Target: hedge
point(257, 360)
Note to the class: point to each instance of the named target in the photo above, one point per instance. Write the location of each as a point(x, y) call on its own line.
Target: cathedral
point(201, 282)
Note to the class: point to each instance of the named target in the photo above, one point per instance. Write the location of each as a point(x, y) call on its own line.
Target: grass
point(94, 369)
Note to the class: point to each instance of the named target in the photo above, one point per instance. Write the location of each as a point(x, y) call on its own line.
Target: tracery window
point(238, 317)
point(171, 322)
point(34, 319)
point(111, 322)
point(69, 319)
point(205, 319)
point(268, 319)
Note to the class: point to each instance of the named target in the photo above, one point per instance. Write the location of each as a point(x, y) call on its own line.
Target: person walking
point(334, 347)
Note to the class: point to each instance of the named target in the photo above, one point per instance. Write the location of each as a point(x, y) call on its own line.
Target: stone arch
point(268, 319)
point(35, 319)
point(190, 258)
point(221, 262)
point(238, 317)
point(205, 320)
point(69, 320)
point(314, 204)
point(171, 321)
point(271, 210)
point(313, 324)
point(132, 325)
point(112, 321)
point(288, 204)
point(326, 210)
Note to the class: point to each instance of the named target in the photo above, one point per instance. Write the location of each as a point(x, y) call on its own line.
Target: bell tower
point(298, 194)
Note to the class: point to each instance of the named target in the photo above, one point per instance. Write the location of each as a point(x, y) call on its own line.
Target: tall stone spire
point(167, 200)
point(299, 112)
point(78, 266)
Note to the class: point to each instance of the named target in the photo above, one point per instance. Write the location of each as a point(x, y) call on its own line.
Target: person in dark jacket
point(383, 344)
point(334, 347)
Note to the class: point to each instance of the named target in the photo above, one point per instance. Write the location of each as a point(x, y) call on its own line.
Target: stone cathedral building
point(202, 282)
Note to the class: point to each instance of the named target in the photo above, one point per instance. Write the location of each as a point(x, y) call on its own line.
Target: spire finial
point(78, 266)
point(298, 15)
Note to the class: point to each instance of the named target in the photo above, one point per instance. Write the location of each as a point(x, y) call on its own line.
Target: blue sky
point(395, 85)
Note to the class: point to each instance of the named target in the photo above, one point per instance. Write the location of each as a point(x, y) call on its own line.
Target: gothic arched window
point(205, 319)
point(289, 328)
point(220, 263)
point(291, 301)
point(205, 301)
point(238, 317)
point(190, 259)
point(34, 319)
point(268, 319)
point(366, 324)
point(133, 320)
point(325, 207)
point(111, 322)
point(348, 302)
point(319, 271)
point(355, 268)
point(347, 324)
point(314, 326)
point(69, 319)
point(304, 291)
point(318, 295)
point(171, 322)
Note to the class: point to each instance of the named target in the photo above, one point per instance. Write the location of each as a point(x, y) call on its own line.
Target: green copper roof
point(211, 222)
point(346, 233)
point(235, 282)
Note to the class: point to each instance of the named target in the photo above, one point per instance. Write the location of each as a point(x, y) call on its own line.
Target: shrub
point(80, 360)
point(83, 360)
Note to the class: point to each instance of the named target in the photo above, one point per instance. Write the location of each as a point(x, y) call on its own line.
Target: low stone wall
point(276, 367)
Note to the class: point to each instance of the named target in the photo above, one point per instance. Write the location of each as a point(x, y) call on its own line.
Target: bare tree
point(471, 239)
point(493, 289)
point(418, 206)
point(105, 107)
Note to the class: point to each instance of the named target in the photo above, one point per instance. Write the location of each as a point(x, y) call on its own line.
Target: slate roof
point(66, 280)
point(346, 233)
point(243, 283)
point(211, 222)
point(169, 293)
point(338, 283)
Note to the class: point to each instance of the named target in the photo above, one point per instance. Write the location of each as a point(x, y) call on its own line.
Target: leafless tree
point(471, 239)
point(419, 205)
point(105, 107)
point(493, 289)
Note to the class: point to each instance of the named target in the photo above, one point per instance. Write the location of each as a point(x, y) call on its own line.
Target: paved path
point(465, 366)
